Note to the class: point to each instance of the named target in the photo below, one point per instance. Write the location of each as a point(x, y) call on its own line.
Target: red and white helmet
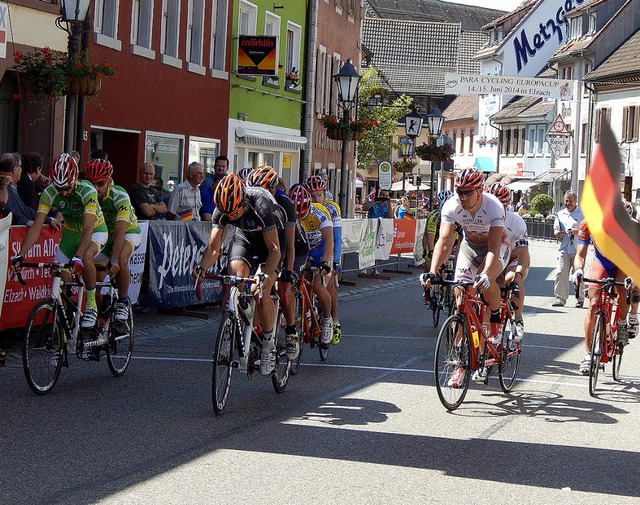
point(98, 170)
point(469, 178)
point(64, 171)
point(500, 191)
point(628, 207)
point(315, 184)
point(301, 200)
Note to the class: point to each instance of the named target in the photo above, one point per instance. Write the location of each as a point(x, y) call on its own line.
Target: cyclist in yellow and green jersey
point(84, 233)
point(124, 232)
point(317, 187)
point(316, 222)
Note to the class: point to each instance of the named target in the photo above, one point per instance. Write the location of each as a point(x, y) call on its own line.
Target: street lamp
point(406, 149)
point(347, 81)
point(435, 120)
point(73, 13)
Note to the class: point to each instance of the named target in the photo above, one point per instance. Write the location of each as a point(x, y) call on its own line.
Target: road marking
point(618, 387)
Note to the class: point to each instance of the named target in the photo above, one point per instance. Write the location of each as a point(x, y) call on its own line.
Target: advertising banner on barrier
point(175, 248)
point(136, 263)
point(404, 235)
point(384, 240)
point(18, 300)
point(5, 223)
point(351, 234)
point(366, 253)
point(418, 249)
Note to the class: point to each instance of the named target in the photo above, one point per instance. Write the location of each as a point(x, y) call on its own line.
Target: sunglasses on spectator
point(465, 192)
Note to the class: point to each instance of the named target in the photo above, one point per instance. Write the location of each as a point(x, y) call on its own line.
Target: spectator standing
point(146, 201)
point(206, 195)
point(380, 207)
point(185, 201)
point(11, 169)
point(28, 189)
point(565, 227)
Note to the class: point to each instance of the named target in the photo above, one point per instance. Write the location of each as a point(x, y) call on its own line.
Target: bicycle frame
point(608, 295)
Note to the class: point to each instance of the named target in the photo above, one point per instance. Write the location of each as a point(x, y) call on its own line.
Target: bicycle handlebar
point(603, 282)
point(50, 265)
point(225, 279)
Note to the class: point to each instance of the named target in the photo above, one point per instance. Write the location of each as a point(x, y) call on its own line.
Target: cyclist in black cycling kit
point(267, 178)
point(259, 242)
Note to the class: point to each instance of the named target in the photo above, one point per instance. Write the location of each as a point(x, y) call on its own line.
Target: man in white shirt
point(565, 227)
point(185, 202)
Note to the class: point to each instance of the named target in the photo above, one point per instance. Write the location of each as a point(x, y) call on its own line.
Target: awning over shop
point(270, 139)
point(484, 164)
point(397, 186)
point(522, 185)
point(553, 175)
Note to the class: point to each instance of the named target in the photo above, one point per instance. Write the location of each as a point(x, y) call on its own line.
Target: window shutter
point(625, 123)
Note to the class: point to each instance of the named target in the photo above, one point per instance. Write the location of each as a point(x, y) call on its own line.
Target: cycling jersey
point(433, 222)
point(475, 228)
point(515, 231)
point(84, 200)
point(584, 238)
point(336, 219)
point(116, 206)
point(317, 220)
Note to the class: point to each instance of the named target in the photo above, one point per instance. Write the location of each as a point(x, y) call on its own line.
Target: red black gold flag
point(614, 232)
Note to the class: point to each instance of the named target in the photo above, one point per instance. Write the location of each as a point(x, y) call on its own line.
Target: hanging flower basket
point(87, 86)
point(339, 133)
point(405, 167)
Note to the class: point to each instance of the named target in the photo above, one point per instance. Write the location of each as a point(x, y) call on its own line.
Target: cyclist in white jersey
point(482, 255)
point(516, 238)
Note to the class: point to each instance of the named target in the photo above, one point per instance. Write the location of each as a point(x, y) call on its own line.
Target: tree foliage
point(377, 142)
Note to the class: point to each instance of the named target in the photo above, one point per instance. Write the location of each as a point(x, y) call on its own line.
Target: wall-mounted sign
point(474, 84)
point(4, 16)
point(257, 55)
point(384, 175)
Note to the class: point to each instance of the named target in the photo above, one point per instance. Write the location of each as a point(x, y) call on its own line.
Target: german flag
point(614, 232)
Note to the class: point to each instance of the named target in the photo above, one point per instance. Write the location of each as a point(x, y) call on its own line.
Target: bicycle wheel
point(283, 366)
point(222, 362)
point(120, 344)
point(436, 306)
point(617, 360)
point(451, 364)
point(449, 300)
point(42, 348)
point(509, 357)
point(596, 352)
point(295, 364)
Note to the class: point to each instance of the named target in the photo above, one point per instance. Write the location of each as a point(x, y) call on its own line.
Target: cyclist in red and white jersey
point(516, 238)
point(482, 255)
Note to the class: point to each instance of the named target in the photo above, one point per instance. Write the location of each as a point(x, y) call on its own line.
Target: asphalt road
point(364, 427)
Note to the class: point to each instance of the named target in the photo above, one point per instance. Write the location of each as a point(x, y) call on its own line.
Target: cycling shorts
point(70, 241)
point(470, 259)
point(253, 253)
point(600, 271)
point(135, 239)
point(315, 256)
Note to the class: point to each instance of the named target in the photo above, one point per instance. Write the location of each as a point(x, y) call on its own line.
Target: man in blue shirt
point(380, 207)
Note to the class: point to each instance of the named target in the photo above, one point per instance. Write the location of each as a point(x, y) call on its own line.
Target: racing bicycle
point(238, 344)
point(53, 330)
point(461, 340)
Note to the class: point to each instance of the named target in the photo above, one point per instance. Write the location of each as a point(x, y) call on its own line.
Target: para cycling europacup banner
point(175, 248)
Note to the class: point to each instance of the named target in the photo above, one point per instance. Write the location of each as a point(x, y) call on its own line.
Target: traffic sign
point(558, 127)
point(558, 143)
point(384, 175)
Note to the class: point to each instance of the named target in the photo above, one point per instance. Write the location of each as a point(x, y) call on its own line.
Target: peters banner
point(175, 248)
point(18, 300)
point(474, 84)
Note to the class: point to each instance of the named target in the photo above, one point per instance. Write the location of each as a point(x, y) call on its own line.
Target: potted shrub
point(541, 204)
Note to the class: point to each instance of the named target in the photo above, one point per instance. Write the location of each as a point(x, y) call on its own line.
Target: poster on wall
point(257, 55)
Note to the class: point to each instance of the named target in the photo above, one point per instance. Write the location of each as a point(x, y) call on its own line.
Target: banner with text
point(475, 84)
point(136, 263)
point(418, 248)
point(366, 253)
point(175, 248)
point(5, 223)
point(18, 300)
point(384, 239)
point(404, 236)
point(351, 234)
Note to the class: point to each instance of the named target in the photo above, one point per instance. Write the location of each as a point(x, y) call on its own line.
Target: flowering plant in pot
point(432, 152)
point(404, 166)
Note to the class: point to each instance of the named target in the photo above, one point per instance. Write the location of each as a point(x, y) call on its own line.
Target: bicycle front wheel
point(295, 364)
point(222, 362)
point(283, 366)
point(120, 344)
point(617, 360)
point(436, 307)
point(451, 365)
point(596, 352)
point(43, 347)
point(509, 356)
